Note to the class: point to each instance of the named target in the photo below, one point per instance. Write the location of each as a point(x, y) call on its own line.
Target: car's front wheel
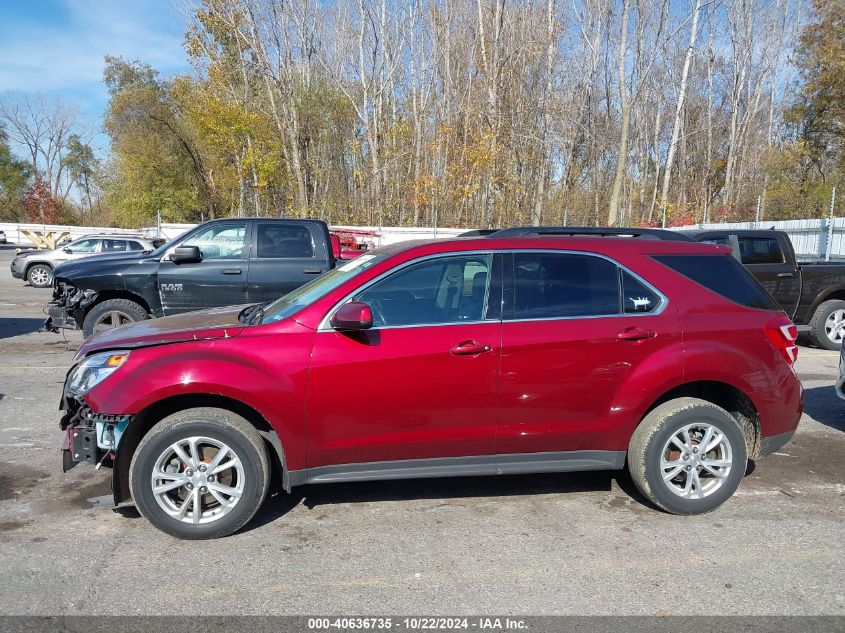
point(687, 456)
point(39, 276)
point(112, 313)
point(201, 473)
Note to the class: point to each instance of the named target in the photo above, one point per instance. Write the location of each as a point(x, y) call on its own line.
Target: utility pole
point(830, 226)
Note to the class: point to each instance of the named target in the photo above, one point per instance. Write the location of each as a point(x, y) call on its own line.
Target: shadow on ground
point(825, 407)
point(10, 327)
point(441, 491)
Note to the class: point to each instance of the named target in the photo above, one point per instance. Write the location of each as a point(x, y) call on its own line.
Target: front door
point(218, 280)
point(419, 389)
point(577, 328)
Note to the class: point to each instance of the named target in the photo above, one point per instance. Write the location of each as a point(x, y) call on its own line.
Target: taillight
point(782, 333)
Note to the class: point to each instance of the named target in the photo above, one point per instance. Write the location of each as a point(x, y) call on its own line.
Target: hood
point(97, 263)
point(191, 326)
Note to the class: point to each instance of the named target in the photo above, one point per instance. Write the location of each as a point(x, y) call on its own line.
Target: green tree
point(14, 178)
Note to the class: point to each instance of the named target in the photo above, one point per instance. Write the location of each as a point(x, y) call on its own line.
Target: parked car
point(217, 263)
point(446, 358)
point(811, 293)
point(36, 266)
point(3, 237)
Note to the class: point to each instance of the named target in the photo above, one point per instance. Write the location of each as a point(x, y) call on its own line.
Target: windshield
point(294, 301)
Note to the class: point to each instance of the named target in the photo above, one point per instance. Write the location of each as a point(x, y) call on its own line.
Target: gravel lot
point(550, 544)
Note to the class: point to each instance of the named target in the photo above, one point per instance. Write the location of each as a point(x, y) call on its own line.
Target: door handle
point(469, 348)
point(786, 274)
point(635, 334)
point(231, 271)
point(312, 271)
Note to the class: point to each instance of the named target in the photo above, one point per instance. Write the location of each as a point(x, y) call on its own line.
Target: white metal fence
point(810, 238)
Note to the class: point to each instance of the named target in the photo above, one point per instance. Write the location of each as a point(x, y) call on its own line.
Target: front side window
point(283, 241)
point(433, 292)
point(220, 241)
point(555, 285)
point(84, 246)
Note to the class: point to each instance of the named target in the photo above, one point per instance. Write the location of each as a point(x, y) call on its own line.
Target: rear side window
point(551, 285)
point(723, 275)
point(283, 241)
point(760, 250)
point(637, 298)
point(135, 246)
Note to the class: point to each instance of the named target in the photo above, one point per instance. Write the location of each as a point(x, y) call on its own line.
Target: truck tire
point(670, 468)
point(827, 326)
point(112, 313)
point(39, 276)
point(200, 473)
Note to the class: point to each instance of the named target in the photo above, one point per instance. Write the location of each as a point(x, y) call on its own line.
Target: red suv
point(475, 356)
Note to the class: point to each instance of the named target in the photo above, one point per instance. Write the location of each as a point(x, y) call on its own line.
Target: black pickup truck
point(217, 263)
point(812, 293)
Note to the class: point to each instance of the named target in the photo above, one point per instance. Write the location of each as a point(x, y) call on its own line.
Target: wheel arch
point(38, 262)
point(730, 398)
point(106, 295)
point(146, 419)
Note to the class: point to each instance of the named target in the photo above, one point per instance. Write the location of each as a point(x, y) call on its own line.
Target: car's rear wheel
point(200, 473)
point(112, 313)
point(39, 276)
point(687, 456)
point(827, 327)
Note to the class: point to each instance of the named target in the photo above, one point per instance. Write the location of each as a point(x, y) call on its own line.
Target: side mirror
point(69, 251)
point(353, 316)
point(186, 255)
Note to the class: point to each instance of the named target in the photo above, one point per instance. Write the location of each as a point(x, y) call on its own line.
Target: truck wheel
point(687, 456)
point(200, 473)
point(112, 313)
point(40, 276)
point(827, 326)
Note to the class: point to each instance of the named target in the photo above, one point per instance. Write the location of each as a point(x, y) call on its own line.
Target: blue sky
point(56, 47)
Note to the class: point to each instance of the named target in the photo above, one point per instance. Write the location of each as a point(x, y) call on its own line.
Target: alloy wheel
point(111, 320)
point(198, 480)
point(834, 326)
point(696, 461)
point(39, 277)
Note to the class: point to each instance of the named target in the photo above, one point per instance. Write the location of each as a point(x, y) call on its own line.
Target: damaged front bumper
point(89, 437)
point(67, 309)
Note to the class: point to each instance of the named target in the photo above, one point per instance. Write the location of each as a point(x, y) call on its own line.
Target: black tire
point(39, 276)
point(652, 435)
point(216, 424)
point(126, 311)
point(818, 334)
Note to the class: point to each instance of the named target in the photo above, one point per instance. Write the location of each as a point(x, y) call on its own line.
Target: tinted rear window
point(723, 275)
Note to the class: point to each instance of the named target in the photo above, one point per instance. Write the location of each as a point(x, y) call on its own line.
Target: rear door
point(285, 255)
point(218, 280)
point(575, 327)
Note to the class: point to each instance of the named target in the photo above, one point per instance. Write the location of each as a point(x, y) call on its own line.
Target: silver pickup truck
point(36, 266)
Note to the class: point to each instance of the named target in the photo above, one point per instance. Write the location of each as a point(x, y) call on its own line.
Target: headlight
point(94, 370)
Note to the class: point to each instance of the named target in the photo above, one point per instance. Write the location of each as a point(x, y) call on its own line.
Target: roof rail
point(600, 231)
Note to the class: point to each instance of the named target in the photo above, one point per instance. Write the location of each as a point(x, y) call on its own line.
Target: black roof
point(600, 231)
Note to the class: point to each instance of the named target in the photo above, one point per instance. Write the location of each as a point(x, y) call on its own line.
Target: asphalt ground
point(581, 543)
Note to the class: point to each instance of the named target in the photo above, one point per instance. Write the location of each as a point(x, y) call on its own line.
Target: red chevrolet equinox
point(474, 356)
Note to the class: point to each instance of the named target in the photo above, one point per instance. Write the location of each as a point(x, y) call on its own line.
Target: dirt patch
point(17, 479)
point(808, 460)
point(8, 526)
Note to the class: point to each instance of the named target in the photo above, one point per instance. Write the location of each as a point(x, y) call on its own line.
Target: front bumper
point(67, 309)
point(89, 437)
point(16, 269)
